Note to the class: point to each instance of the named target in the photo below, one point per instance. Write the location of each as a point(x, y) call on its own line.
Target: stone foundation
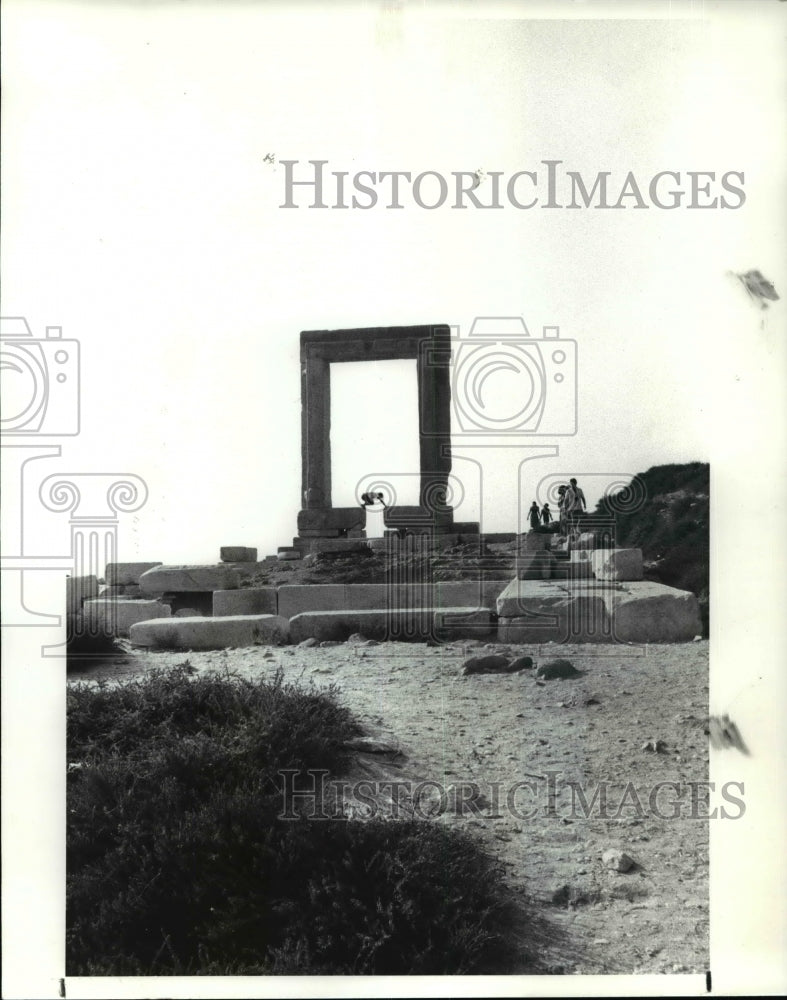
point(259, 601)
point(596, 611)
point(234, 632)
point(405, 625)
point(294, 600)
point(116, 615)
point(78, 590)
point(180, 579)
point(128, 572)
point(617, 564)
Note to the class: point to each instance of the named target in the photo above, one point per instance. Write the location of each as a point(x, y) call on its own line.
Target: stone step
point(599, 539)
point(78, 590)
point(572, 571)
point(405, 625)
point(245, 601)
point(117, 615)
point(229, 632)
point(126, 572)
point(535, 565)
point(295, 599)
point(328, 522)
point(181, 579)
point(617, 564)
point(596, 611)
point(425, 541)
point(534, 541)
point(334, 546)
point(580, 619)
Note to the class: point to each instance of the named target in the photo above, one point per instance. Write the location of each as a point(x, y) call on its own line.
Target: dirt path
point(497, 731)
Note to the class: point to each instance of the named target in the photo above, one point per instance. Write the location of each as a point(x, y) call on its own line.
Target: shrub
point(179, 864)
point(672, 527)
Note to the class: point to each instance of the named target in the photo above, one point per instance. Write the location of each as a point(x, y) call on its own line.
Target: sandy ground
point(500, 730)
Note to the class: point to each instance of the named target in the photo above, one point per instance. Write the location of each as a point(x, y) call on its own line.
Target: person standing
point(579, 495)
point(546, 514)
point(574, 503)
point(561, 506)
point(570, 505)
point(534, 516)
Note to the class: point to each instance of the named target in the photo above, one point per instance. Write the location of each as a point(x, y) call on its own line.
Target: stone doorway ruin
point(430, 346)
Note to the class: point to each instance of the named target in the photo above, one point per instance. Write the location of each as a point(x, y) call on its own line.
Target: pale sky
point(140, 215)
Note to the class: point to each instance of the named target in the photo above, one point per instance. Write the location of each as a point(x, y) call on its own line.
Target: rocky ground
point(633, 718)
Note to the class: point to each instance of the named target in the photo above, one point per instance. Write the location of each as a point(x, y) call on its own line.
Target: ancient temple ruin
point(430, 347)
point(583, 590)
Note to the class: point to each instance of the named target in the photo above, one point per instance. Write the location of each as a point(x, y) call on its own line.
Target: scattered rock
point(356, 637)
point(592, 700)
point(617, 860)
point(575, 895)
point(521, 663)
point(491, 664)
point(370, 642)
point(631, 892)
point(188, 613)
point(330, 642)
point(237, 553)
point(556, 668)
point(307, 643)
point(655, 746)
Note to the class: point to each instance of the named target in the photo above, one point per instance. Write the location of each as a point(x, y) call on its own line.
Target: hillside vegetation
point(669, 520)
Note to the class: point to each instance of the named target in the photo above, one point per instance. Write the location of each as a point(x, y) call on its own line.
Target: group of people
point(571, 503)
